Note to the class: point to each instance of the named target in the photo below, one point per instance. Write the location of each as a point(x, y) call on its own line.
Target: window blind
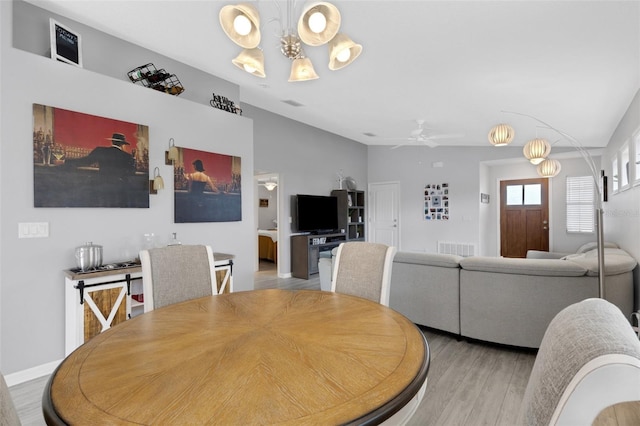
point(580, 204)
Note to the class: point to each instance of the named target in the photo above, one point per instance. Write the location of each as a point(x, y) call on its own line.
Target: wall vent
point(460, 249)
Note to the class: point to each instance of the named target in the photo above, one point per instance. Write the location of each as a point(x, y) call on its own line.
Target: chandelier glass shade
point(501, 135)
point(251, 61)
point(318, 24)
point(536, 150)
point(549, 168)
point(302, 70)
point(241, 23)
point(342, 51)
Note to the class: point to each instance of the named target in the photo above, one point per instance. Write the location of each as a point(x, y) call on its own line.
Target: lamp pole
point(598, 202)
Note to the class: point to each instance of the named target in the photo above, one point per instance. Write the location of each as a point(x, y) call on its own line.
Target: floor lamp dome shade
point(241, 23)
point(319, 23)
point(342, 51)
point(302, 70)
point(536, 150)
point(549, 168)
point(501, 135)
point(251, 61)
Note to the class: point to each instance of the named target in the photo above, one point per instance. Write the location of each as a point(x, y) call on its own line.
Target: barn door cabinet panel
point(96, 301)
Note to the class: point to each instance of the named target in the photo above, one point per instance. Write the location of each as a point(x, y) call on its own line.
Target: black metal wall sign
point(225, 104)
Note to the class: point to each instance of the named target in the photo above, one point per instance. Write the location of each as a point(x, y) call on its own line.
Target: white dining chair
point(177, 273)
point(363, 269)
point(8, 413)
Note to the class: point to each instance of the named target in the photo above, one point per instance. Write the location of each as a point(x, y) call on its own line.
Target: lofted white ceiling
point(457, 65)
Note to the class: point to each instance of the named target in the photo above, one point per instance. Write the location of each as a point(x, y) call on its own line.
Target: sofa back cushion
point(430, 259)
point(506, 265)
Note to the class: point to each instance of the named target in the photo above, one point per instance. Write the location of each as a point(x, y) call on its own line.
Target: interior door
point(384, 213)
point(524, 216)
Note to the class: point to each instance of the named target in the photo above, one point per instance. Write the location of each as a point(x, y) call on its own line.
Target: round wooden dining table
point(245, 358)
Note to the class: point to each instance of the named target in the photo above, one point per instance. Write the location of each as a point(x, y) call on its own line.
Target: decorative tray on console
point(107, 267)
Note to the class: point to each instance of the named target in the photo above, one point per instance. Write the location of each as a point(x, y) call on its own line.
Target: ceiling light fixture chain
point(318, 24)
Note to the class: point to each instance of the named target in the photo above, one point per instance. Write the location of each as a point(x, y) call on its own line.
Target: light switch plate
point(33, 230)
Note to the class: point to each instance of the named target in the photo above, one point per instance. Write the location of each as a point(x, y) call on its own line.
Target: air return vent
point(460, 249)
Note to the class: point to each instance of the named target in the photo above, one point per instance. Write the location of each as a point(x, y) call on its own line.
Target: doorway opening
point(267, 208)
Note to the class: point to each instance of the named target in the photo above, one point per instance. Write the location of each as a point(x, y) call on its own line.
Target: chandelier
point(549, 168)
point(318, 24)
point(536, 150)
point(501, 135)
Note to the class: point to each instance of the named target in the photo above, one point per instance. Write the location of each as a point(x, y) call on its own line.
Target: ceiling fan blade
point(429, 143)
point(446, 136)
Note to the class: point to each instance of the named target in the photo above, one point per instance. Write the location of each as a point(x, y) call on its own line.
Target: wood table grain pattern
point(255, 357)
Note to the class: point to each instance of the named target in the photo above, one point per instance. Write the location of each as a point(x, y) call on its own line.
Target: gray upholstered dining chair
point(363, 269)
point(177, 273)
point(8, 413)
point(589, 359)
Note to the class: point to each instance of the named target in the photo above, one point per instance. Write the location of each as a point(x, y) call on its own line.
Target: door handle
point(545, 228)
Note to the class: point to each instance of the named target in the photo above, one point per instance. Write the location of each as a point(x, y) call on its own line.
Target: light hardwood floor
point(469, 383)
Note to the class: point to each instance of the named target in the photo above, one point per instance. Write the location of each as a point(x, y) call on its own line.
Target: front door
point(384, 213)
point(524, 216)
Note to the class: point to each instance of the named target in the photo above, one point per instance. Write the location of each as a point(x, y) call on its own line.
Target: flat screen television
point(316, 213)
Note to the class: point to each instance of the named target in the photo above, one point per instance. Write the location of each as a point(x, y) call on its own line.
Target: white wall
point(306, 160)
point(31, 277)
point(622, 211)
point(414, 167)
point(469, 172)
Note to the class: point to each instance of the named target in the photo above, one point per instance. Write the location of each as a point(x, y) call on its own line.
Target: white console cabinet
point(95, 301)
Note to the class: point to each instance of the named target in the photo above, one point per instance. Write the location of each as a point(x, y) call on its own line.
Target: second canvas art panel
point(207, 187)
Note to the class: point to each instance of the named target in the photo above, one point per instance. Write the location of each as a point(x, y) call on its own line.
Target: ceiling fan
point(420, 136)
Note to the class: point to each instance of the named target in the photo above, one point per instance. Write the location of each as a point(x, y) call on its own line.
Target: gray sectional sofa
point(503, 300)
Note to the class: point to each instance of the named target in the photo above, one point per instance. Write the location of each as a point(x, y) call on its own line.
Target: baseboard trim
point(288, 275)
point(31, 373)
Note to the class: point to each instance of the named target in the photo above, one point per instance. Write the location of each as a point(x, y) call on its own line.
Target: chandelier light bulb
point(344, 55)
point(317, 22)
point(242, 25)
point(248, 68)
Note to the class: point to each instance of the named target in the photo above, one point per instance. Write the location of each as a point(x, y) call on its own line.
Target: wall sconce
point(172, 154)
point(157, 182)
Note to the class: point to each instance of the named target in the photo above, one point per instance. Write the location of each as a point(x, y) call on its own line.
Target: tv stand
point(305, 252)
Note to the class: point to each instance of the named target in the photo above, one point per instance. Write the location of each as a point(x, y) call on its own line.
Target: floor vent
point(460, 249)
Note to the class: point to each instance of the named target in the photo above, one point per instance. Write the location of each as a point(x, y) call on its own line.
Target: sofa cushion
point(592, 245)
point(506, 265)
point(431, 259)
point(616, 261)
